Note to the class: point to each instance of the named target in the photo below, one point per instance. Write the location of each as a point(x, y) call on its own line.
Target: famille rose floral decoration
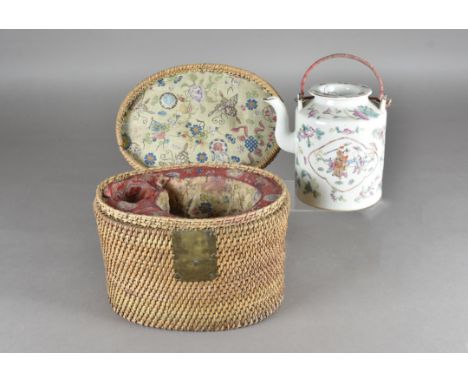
point(199, 114)
point(339, 142)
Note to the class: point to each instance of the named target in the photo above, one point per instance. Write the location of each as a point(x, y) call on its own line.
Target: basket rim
point(170, 221)
point(202, 67)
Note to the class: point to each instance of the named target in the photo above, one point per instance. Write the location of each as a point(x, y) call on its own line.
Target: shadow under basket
point(213, 260)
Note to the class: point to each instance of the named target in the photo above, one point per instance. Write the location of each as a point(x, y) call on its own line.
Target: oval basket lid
point(199, 114)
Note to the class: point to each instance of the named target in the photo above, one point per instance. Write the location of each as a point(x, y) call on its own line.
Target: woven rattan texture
point(138, 261)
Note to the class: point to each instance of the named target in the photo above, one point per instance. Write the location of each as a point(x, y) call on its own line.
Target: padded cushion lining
point(198, 192)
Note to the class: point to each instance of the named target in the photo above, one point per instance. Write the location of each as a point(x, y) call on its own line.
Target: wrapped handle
point(352, 57)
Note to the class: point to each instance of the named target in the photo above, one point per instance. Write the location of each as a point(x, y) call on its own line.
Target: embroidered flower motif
point(196, 93)
point(251, 143)
point(195, 128)
point(251, 104)
point(230, 138)
point(150, 159)
point(163, 130)
point(202, 157)
point(235, 159)
point(218, 145)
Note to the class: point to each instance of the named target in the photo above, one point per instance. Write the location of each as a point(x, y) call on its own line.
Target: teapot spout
point(284, 137)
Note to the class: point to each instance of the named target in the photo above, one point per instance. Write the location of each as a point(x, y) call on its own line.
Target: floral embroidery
point(196, 92)
point(251, 104)
point(168, 115)
point(150, 159)
point(196, 128)
point(218, 145)
point(202, 157)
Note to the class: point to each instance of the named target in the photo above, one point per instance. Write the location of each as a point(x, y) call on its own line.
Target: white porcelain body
point(339, 146)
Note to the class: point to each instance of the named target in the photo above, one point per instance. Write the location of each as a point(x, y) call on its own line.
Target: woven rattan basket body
point(139, 263)
point(245, 278)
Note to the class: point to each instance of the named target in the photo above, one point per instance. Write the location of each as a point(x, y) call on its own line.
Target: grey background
point(391, 278)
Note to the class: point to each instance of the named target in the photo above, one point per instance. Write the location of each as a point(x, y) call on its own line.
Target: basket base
point(210, 328)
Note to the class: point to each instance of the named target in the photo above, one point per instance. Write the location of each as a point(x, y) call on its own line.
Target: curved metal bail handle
point(352, 57)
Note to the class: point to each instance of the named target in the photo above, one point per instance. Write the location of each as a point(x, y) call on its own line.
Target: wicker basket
point(142, 280)
point(187, 273)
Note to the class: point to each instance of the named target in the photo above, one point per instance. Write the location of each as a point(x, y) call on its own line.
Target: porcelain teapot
point(338, 141)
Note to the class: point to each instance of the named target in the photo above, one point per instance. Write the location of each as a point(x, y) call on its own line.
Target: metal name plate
point(194, 255)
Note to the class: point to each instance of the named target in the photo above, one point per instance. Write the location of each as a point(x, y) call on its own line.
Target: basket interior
point(198, 115)
point(194, 192)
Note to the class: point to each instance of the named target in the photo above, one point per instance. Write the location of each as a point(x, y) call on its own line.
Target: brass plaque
point(194, 255)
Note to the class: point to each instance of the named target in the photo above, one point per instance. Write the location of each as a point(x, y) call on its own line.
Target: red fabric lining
point(146, 194)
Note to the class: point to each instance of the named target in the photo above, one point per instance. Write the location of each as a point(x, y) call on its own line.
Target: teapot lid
point(339, 90)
